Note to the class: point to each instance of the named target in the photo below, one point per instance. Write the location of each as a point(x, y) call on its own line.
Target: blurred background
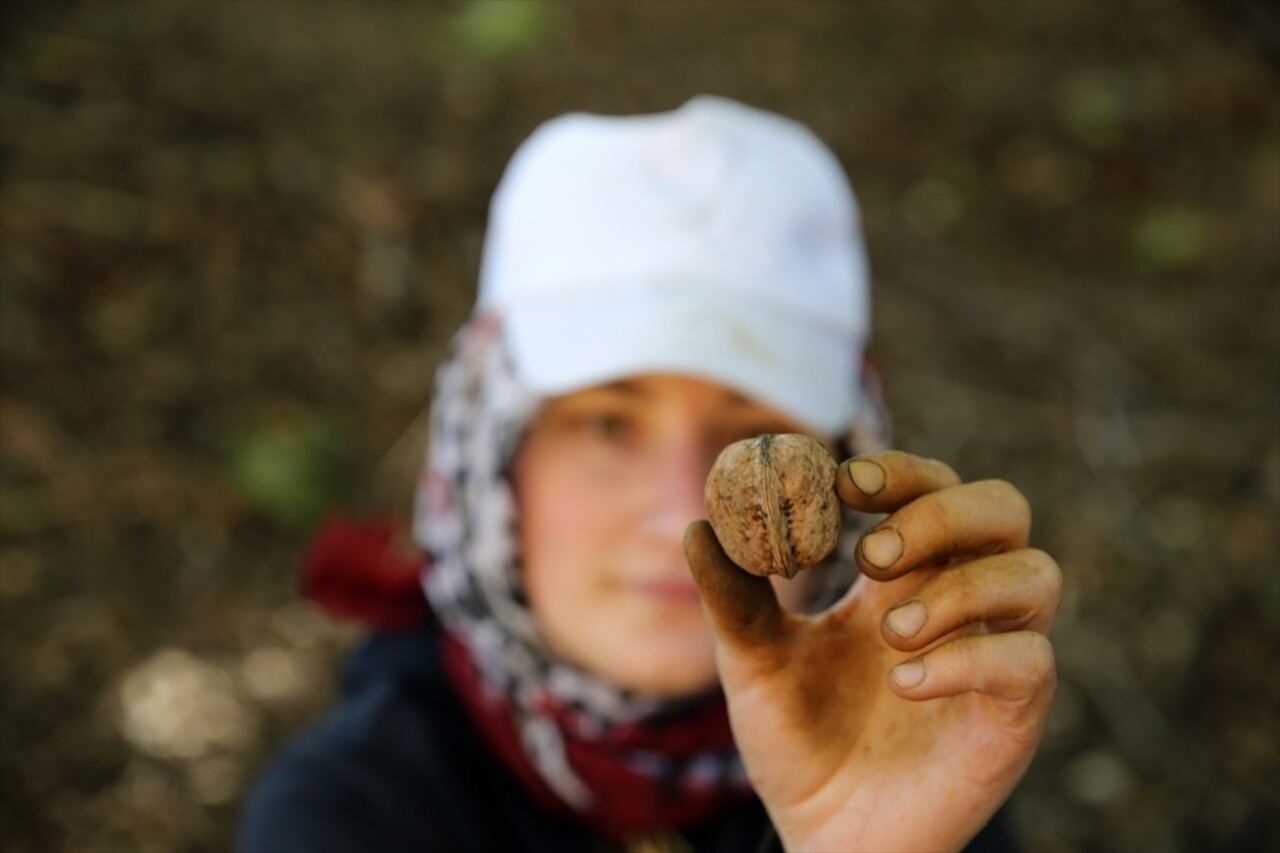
point(237, 237)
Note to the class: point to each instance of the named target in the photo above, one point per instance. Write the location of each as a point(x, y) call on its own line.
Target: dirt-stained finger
point(882, 482)
point(970, 519)
point(1017, 667)
point(1014, 591)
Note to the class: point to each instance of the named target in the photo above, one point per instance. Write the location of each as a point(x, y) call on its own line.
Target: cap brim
point(591, 337)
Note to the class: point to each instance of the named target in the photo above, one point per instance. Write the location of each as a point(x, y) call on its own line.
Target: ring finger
point(1017, 590)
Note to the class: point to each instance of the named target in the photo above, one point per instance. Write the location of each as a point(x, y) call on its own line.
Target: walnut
point(772, 503)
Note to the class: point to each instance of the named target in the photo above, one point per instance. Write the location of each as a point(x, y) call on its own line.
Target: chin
point(669, 684)
point(666, 668)
point(633, 650)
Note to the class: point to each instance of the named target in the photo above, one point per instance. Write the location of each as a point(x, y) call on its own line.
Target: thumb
point(742, 607)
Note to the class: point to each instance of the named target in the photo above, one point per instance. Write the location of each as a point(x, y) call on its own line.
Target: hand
point(902, 717)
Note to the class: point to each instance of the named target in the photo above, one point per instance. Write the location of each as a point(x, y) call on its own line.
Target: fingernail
point(882, 548)
point(867, 476)
point(907, 620)
point(908, 674)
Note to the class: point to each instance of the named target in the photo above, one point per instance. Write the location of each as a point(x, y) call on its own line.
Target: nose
point(680, 477)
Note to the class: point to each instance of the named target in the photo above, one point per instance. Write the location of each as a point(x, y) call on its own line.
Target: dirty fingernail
point(882, 548)
point(867, 476)
point(907, 620)
point(908, 674)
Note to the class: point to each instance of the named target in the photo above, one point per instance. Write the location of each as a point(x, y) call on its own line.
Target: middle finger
point(973, 518)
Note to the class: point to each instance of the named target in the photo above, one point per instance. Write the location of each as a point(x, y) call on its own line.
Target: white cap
point(717, 240)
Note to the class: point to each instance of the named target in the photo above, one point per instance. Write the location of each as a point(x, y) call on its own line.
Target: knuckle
point(1042, 663)
point(1047, 572)
point(963, 588)
point(1020, 506)
point(1011, 507)
point(1011, 496)
point(944, 473)
point(934, 523)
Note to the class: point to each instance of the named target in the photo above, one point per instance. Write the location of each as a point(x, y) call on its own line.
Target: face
point(607, 479)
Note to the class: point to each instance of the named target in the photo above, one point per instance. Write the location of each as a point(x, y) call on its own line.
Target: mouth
point(682, 592)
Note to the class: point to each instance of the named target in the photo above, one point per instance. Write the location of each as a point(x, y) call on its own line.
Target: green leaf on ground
point(1171, 238)
point(287, 466)
point(493, 30)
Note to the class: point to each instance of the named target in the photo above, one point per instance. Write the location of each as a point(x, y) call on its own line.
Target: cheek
point(567, 532)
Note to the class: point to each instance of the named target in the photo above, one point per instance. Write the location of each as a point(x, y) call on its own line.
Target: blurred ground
point(237, 236)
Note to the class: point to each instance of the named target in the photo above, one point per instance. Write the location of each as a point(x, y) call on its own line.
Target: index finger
point(883, 482)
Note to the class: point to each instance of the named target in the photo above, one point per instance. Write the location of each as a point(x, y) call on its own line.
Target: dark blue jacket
point(398, 766)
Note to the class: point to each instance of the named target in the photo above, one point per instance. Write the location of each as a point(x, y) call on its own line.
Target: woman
point(592, 670)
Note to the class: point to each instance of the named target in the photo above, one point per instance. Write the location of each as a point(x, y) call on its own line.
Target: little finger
point(1016, 667)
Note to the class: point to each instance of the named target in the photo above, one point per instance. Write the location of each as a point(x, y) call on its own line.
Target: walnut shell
point(772, 503)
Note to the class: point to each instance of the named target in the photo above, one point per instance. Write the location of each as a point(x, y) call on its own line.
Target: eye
point(609, 425)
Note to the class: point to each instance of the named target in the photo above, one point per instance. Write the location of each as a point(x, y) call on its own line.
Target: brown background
point(236, 237)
